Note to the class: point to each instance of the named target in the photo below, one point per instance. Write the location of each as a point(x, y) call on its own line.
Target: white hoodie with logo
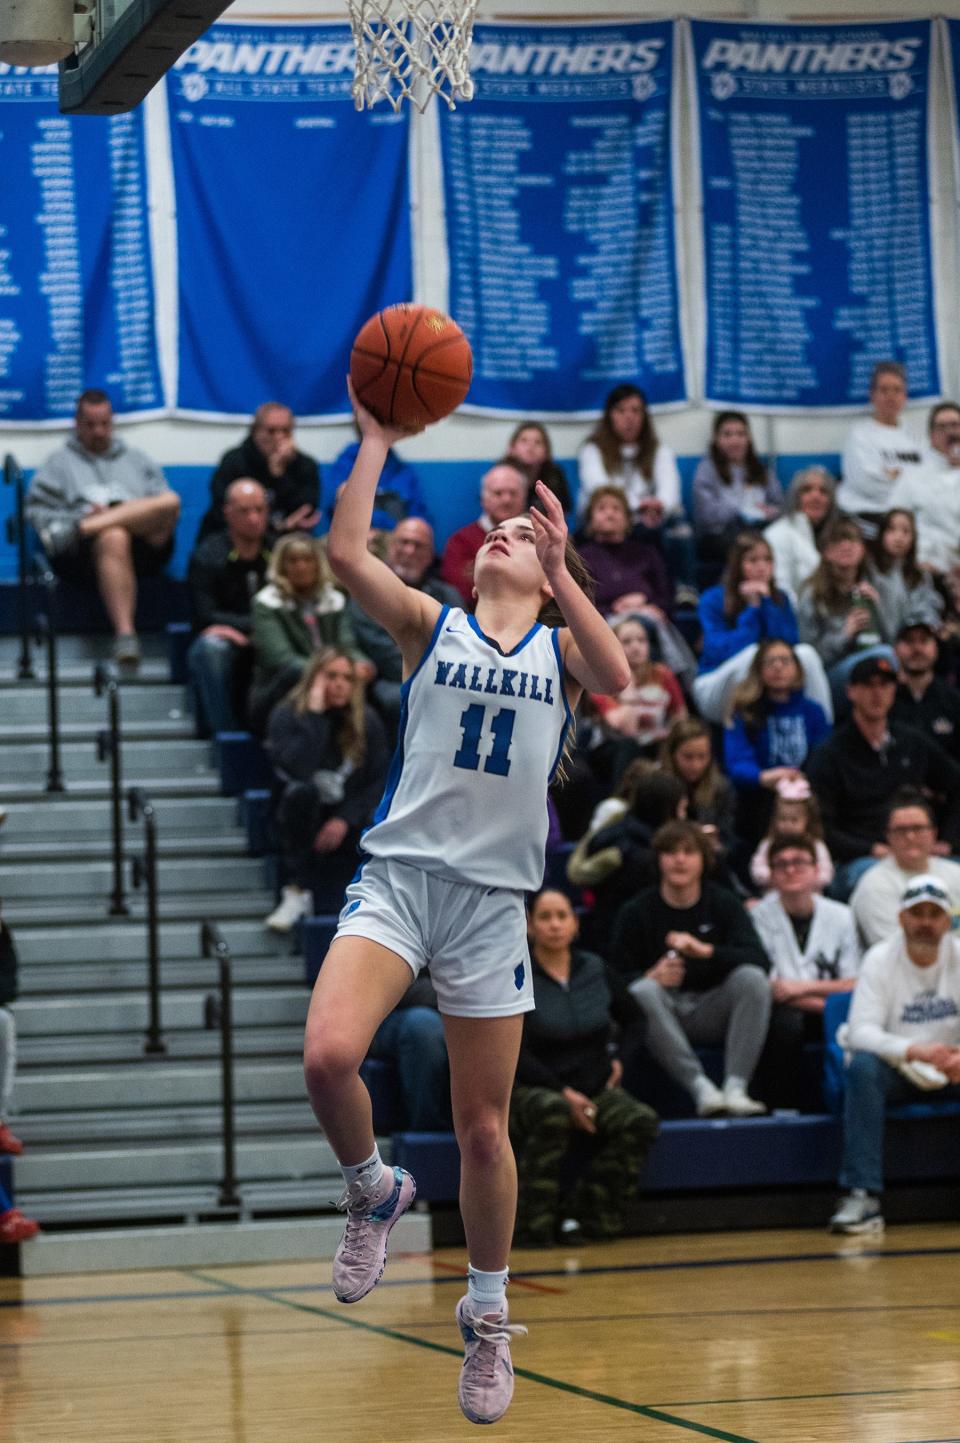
point(896, 1004)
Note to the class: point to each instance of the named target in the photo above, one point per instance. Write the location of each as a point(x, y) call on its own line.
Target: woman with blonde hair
point(299, 611)
point(329, 755)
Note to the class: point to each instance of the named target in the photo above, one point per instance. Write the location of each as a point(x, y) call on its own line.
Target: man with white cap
point(904, 1035)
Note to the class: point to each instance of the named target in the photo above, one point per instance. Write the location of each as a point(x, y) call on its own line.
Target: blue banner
point(814, 167)
point(293, 217)
point(558, 182)
point(76, 282)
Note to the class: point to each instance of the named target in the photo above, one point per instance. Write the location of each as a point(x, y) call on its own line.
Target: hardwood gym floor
point(768, 1337)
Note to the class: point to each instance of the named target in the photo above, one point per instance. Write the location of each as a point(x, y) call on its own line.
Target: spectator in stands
point(640, 717)
point(796, 813)
point(412, 1038)
point(687, 754)
point(745, 609)
point(530, 446)
point(628, 570)
point(568, 1086)
point(771, 731)
point(226, 572)
point(329, 755)
point(398, 495)
point(912, 850)
point(924, 700)
point(812, 946)
point(902, 587)
point(877, 449)
point(8, 1041)
point(623, 450)
point(503, 493)
point(904, 1037)
point(269, 454)
point(794, 539)
point(105, 515)
point(732, 488)
point(696, 967)
point(869, 758)
point(410, 555)
point(617, 861)
point(839, 608)
point(299, 611)
point(931, 491)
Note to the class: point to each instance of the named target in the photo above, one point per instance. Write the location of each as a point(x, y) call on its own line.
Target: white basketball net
point(410, 50)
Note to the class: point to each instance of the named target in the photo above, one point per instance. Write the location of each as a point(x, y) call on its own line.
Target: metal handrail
point(218, 1012)
point(17, 534)
point(105, 679)
point(48, 632)
point(145, 870)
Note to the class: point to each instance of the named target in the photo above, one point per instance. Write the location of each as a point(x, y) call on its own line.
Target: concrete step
point(74, 671)
point(174, 907)
point(231, 842)
point(151, 1124)
point(183, 758)
point(79, 706)
point(265, 1158)
point(72, 1052)
point(30, 880)
point(207, 1244)
point(39, 980)
point(179, 728)
point(116, 940)
point(33, 791)
point(114, 1012)
point(60, 816)
point(81, 647)
point(151, 1083)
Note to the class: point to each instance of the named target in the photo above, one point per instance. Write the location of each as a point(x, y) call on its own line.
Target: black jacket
point(222, 585)
point(854, 784)
point(298, 486)
point(639, 938)
point(305, 743)
point(566, 1041)
point(8, 966)
point(936, 714)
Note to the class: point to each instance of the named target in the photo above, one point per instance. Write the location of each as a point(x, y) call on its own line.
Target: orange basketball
point(411, 365)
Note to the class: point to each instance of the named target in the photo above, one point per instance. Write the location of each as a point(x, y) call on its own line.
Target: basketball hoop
point(410, 50)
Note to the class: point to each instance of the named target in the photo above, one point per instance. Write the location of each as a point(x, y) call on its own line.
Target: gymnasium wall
point(451, 456)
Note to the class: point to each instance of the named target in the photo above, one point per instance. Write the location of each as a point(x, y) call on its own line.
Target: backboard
point(133, 45)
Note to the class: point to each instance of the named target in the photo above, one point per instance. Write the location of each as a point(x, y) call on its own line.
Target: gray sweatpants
point(735, 1014)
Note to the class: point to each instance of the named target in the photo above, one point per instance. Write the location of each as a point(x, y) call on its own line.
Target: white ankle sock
point(734, 1084)
point(370, 1173)
point(487, 1291)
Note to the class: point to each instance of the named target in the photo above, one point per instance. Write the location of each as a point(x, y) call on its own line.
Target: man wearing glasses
point(931, 490)
point(812, 946)
point(269, 454)
point(913, 850)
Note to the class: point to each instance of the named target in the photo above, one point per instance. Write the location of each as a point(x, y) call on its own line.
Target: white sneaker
point(857, 1212)
point(710, 1101)
point(739, 1103)
point(293, 905)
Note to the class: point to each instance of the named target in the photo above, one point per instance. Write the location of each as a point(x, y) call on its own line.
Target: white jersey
point(481, 733)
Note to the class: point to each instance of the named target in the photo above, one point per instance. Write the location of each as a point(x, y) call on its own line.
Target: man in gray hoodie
point(105, 515)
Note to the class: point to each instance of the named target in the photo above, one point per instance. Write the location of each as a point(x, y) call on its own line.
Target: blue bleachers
point(242, 763)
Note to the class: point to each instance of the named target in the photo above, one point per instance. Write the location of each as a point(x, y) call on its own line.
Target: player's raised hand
point(550, 529)
point(369, 426)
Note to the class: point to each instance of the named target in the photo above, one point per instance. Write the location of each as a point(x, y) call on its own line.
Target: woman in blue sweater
point(772, 729)
point(745, 609)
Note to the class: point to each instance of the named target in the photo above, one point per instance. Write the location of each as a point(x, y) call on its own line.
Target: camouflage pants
point(541, 1133)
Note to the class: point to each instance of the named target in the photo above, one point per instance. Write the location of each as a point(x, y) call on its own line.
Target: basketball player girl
point(457, 840)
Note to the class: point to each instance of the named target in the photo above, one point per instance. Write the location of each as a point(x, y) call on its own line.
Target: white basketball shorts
point(474, 938)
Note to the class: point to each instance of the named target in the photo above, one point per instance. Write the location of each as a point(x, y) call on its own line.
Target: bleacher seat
point(316, 934)
point(179, 637)
point(242, 763)
point(254, 816)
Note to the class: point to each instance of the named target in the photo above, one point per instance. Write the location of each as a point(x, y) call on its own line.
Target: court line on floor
point(378, 1330)
point(602, 1270)
point(456, 1271)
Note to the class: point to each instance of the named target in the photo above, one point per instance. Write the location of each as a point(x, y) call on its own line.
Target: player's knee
point(327, 1061)
point(483, 1140)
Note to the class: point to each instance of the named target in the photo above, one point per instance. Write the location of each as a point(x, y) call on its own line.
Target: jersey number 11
point(501, 725)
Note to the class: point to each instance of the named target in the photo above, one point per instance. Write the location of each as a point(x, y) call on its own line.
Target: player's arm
point(592, 655)
point(407, 614)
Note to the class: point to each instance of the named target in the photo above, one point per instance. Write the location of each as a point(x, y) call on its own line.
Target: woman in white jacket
point(810, 506)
